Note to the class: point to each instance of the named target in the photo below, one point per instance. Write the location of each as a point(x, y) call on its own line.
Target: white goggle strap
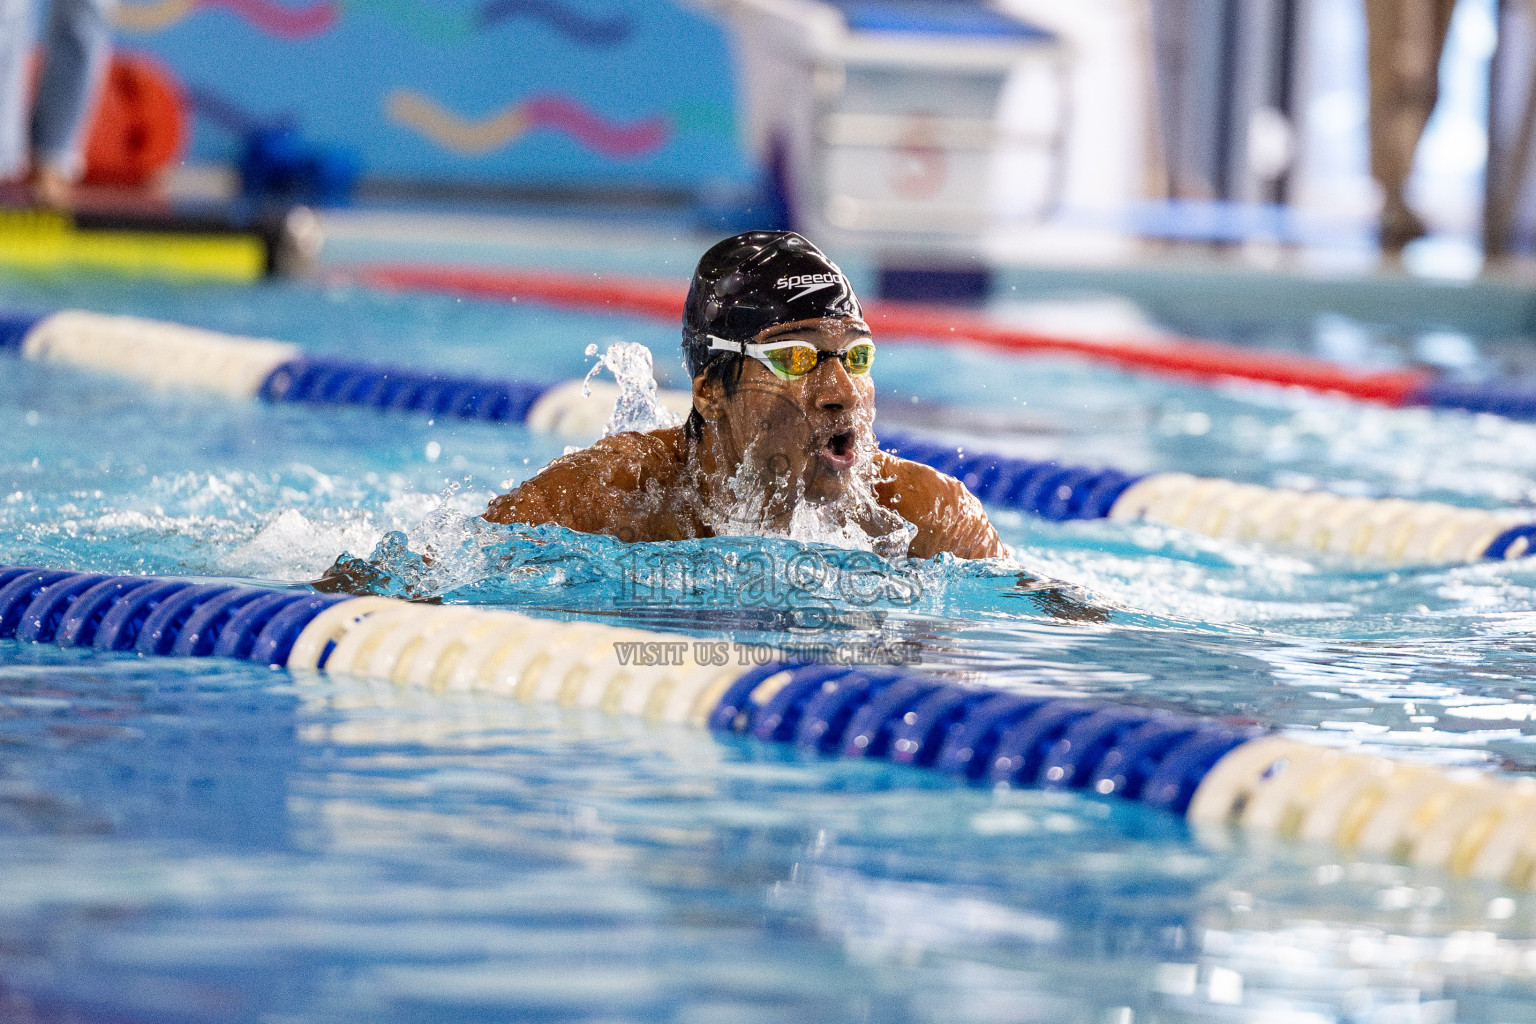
point(747, 348)
point(720, 344)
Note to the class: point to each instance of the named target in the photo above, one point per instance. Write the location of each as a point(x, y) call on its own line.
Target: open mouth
point(839, 449)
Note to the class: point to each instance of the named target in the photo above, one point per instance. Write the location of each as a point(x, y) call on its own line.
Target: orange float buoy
point(138, 126)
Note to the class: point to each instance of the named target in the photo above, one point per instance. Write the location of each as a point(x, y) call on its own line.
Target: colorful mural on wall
point(313, 19)
point(576, 92)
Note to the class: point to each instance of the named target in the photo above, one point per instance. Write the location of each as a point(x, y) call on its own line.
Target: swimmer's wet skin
point(780, 431)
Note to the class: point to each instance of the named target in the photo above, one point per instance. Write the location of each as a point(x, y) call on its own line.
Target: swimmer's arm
point(947, 516)
point(594, 490)
point(564, 493)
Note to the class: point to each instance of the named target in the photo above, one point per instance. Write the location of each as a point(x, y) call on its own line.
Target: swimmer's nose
point(835, 390)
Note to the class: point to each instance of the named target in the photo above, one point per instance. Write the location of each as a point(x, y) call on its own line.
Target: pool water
point(209, 841)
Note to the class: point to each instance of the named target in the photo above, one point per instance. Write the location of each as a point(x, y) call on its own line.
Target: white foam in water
point(295, 547)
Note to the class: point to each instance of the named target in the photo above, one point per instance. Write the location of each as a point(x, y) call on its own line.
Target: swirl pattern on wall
point(272, 18)
point(285, 22)
point(462, 135)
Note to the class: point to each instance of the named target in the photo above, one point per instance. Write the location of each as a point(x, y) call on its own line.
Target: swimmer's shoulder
point(585, 483)
point(947, 515)
point(904, 485)
point(629, 460)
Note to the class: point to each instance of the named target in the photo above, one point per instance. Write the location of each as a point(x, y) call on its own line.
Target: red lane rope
point(663, 300)
point(1202, 360)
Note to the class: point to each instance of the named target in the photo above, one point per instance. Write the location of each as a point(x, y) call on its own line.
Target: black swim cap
point(756, 280)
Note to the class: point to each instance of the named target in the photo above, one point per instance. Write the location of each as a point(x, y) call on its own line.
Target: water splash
point(448, 550)
point(758, 502)
point(295, 547)
point(638, 407)
point(743, 583)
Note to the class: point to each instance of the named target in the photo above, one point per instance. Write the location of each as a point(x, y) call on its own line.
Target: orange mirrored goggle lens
point(798, 360)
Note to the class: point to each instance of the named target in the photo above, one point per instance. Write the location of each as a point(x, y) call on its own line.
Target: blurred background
point(940, 140)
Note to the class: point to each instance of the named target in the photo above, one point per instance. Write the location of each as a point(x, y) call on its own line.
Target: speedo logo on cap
point(807, 282)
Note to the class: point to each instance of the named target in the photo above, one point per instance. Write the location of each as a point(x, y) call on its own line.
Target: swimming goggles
point(791, 360)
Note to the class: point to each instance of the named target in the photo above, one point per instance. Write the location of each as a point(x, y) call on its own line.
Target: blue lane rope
point(1514, 399)
point(14, 328)
point(978, 735)
point(340, 382)
point(154, 616)
point(1047, 489)
point(1059, 493)
point(1208, 771)
point(1501, 545)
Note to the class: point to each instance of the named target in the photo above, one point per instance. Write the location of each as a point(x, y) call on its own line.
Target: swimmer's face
point(801, 436)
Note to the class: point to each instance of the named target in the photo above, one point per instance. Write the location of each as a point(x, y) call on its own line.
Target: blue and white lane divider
point(171, 356)
point(1390, 531)
point(1212, 772)
point(1385, 531)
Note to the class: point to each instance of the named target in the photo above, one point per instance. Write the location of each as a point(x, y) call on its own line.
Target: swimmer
point(780, 434)
point(781, 426)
